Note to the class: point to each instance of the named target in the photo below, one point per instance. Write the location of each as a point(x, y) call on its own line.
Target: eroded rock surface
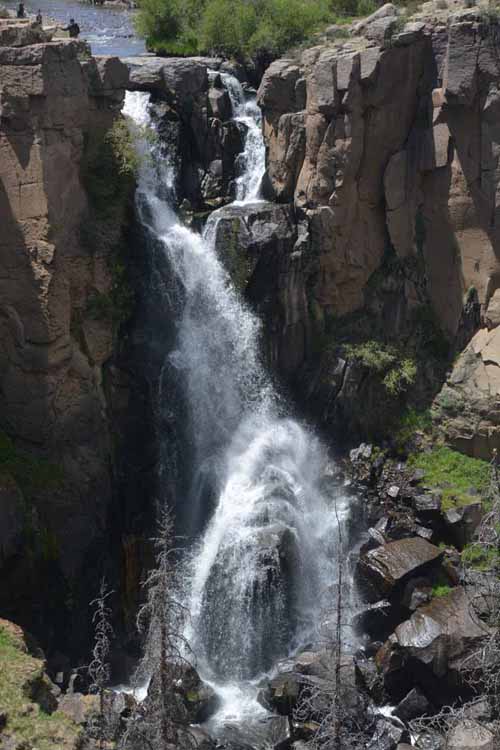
point(53, 97)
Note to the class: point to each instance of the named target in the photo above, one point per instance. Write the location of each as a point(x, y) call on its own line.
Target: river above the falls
point(108, 30)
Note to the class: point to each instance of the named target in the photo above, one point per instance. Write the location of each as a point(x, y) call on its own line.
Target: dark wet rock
point(193, 701)
point(413, 705)
point(381, 569)
point(462, 522)
point(429, 648)
point(368, 677)
point(317, 663)
point(417, 591)
point(387, 736)
point(377, 620)
point(220, 104)
point(178, 77)
point(250, 239)
point(424, 533)
point(427, 505)
point(12, 517)
point(281, 693)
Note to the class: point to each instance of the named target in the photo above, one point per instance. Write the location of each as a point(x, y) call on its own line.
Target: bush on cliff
point(236, 28)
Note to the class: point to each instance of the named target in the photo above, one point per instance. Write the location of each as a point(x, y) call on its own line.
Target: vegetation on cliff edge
point(21, 677)
point(238, 27)
point(109, 174)
point(460, 478)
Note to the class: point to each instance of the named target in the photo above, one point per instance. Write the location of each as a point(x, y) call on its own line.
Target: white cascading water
point(247, 113)
point(267, 554)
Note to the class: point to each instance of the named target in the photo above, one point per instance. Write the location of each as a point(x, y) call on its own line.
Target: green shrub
point(398, 372)
point(227, 26)
point(109, 174)
point(481, 558)
point(400, 377)
point(411, 422)
point(441, 590)
point(235, 27)
point(454, 473)
point(110, 168)
point(366, 7)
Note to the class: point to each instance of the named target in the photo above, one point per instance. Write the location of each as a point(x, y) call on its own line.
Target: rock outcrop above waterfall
point(386, 152)
point(56, 333)
point(195, 116)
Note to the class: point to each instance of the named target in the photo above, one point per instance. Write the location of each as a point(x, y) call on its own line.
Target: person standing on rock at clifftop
point(21, 13)
point(72, 28)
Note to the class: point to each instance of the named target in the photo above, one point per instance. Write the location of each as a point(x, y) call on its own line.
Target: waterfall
point(258, 570)
point(247, 113)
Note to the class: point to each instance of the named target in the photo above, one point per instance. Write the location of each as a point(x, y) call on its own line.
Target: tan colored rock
point(53, 98)
point(492, 314)
point(470, 735)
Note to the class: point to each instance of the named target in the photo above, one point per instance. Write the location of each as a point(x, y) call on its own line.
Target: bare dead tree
point(99, 668)
point(333, 704)
point(161, 621)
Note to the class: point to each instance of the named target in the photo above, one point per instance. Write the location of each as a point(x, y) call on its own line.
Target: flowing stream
point(260, 565)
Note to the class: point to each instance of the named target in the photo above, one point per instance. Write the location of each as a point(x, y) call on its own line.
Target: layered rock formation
point(386, 147)
point(54, 99)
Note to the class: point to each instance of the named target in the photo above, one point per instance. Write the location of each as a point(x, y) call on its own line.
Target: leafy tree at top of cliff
point(234, 27)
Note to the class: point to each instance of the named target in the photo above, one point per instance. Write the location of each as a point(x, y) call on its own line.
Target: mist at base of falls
point(258, 571)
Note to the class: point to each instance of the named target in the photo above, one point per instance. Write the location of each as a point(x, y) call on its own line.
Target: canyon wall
point(57, 103)
point(386, 148)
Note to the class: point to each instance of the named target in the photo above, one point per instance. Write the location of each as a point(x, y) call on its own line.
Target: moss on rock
point(30, 719)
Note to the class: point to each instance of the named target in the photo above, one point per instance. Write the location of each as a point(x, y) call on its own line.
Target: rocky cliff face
point(55, 99)
point(386, 148)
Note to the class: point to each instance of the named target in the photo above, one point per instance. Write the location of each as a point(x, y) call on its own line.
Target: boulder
point(194, 701)
point(251, 238)
point(411, 33)
point(466, 409)
point(281, 693)
point(462, 522)
point(174, 77)
point(413, 705)
point(432, 645)
point(220, 104)
point(387, 566)
point(77, 707)
point(14, 34)
point(387, 736)
point(377, 620)
point(469, 735)
point(417, 591)
point(386, 10)
point(427, 505)
point(368, 677)
point(381, 30)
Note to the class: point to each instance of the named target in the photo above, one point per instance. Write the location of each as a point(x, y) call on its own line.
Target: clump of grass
point(480, 558)
point(441, 590)
point(25, 720)
point(411, 422)
point(457, 476)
